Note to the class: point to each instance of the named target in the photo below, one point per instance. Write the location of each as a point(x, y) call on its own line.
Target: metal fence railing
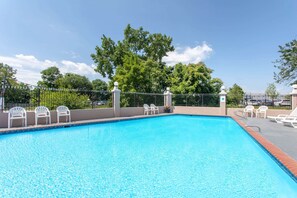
point(264, 99)
point(258, 99)
point(199, 100)
point(135, 99)
point(30, 97)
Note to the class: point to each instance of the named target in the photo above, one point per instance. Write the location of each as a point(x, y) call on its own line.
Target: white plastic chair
point(147, 109)
point(261, 110)
point(42, 112)
point(17, 113)
point(248, 109)
point(154, 108)
point(279, 118)
point(63, 111)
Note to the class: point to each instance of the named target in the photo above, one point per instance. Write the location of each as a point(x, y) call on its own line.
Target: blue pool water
point(169, 156)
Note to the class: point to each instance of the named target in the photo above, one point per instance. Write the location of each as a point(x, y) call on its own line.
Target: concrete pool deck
point(284, 137)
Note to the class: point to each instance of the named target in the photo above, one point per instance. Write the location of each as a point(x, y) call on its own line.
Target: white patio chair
point(17, 113)
point(261, 110)
point(42, 112)
point(147, 109)
point(248, 109)
point(154, 109)
point(63, 111)
point(279, 118)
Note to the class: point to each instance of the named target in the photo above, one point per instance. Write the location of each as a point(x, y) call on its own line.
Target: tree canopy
point(136, 64)
point(50, 77)
point(271, 91)
point(7, 75)
point(74, 81)
point(137, 75)
point(138, 42)
point(99, 85)
point(287, 63)
point(193, 78)
point(235, 95)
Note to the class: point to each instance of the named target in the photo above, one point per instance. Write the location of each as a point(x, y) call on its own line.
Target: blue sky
point(237, 39)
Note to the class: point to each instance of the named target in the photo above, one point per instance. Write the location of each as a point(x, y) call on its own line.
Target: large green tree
point(74, 81)
point(139, 42)
point(50, 77)
point(216, 85)
point(99, 85)
point(7, 75)
point(235, 95)
point(193, 78)
point(137, 75)
point(287, 63)
point(16, 92)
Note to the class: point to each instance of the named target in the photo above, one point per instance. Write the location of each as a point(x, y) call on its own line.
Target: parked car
point(267, 102)
point(254, 102)
point(101, 103)
point(283, 103)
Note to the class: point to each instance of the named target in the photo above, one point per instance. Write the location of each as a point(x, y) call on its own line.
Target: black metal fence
point(200, 100)
point(258, 99)
point(30, 97)
point(135, 99)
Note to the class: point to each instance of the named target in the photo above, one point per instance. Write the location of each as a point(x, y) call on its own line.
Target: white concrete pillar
point(1, 104)
point(223, 101)
point(167, 97)
point(294, 96)
point(116, 100)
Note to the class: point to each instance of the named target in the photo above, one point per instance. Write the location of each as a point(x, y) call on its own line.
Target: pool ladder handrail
point(251, 126)
point(245, 118)
point(241, 116)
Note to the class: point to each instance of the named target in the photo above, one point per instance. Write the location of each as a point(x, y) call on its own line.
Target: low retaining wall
point(133, 111)
point(197, 110)
point(76, 115)
point(90, 114)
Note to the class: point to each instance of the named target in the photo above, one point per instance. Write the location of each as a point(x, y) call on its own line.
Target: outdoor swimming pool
point(168, 156)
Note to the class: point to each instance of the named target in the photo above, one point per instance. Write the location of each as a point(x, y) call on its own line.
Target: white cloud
point(188, 55)
point(29, 67)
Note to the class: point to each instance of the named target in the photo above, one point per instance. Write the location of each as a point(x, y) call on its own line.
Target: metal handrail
point(241, 116)
point(251, 126)
point(244, 117)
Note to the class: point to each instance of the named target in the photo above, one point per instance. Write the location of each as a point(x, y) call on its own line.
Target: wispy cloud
point(29, 67)
point(188, 55)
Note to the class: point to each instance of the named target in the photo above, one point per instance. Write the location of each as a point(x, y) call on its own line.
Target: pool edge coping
point(4, 131)
point(280, 156)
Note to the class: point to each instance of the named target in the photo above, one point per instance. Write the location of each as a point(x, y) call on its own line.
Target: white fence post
point(1, 104)
point(116, 100)
point(168, 98)
point(223, 101)
point(294, 96)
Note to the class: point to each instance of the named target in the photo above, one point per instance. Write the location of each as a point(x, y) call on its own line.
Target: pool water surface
point(167, 156)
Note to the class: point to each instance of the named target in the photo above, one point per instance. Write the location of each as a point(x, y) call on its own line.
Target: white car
point(283, 103)
point(254, 102)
